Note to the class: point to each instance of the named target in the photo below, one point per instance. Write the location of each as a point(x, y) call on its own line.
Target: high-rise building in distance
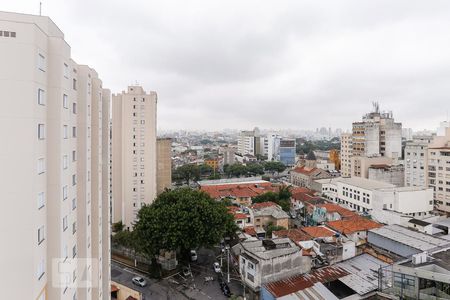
point(134, 154)
point(164, 161)
point(53, 155)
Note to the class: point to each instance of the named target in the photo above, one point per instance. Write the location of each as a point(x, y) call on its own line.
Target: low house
point(304, 176)
point(263, 261)
point(241, 219)
point(421, 225)
point(265, 213)
point(355, 229)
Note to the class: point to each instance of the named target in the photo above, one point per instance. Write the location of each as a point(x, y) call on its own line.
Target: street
point(178, 286)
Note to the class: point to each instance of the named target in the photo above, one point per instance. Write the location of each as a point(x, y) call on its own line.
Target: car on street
point(217, 268)
point(193, 255)
point(137, 280)
point(225, 288)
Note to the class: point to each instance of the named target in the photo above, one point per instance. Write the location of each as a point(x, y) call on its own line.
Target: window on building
point(65, 101)
point(65, 162)
point(41, 62)
point(74, 227)
point(74, 84)
point(41, 269)
point(74, 108)
point(64, 223)
point(66, 70)
point(74, 155)
point(41, 131)
point(74, 179)
point(74, 203)
point(64, 192)
point(74, 251)
point(74, 131)
point(41, 200)
point(41, 166)
point(41, 234)
point(41, 97)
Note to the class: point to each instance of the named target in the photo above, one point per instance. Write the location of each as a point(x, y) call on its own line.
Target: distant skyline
point(291, 64)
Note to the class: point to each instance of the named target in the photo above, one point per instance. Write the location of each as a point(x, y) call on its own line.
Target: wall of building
point(392, 174)
point(164, 161)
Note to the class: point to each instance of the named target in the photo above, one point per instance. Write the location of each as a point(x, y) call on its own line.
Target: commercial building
point(164, 161)
point(287, 152)
point(438, 175)
point(416, 156)
point(273, 147)
point(134, 153)
point(249, 142)
point(360, 164)
point(228, 155)
point(54, 160)
point(346, 153)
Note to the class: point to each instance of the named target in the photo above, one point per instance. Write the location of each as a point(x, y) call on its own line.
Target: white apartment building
point(249, 142)
point(134, 157)
point(370, 196)
point(346, 153)
point(416, 156)
point(273, 147)
point(438, 176)
point(56, 225)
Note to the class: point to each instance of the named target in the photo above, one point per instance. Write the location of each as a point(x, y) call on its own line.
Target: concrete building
point(346, 153)
point(54, 161)
point(134, 153)
point(416, 156)
point(360, 164)
point(249, 142)
point(305, 176)
point(287, 152)
point(265, 213)
point(273, 147)
point(377, 135)
point(438, 176)
point(393, 174)
point(164, 161)
point(376, 198)
point(228, 154)
point(263, 261)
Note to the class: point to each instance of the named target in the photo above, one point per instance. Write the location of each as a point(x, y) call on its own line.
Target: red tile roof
point(353, 225)
point(233, 209)
point(240, 216)
point(300, 282)
point(318, 231)
point(250, 230)
point(263, 204)
point(295, 235)
point(343, 212)
point(238, 189)
point(304, 170)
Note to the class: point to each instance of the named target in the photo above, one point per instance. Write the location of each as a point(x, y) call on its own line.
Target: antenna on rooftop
point(40, 8)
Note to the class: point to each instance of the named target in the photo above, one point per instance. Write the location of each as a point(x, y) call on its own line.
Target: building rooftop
point(343, 212)
point(411, 238)
point(268, 249)
point(353, 225)
point(241, 189)
point(419, 222)
point(296, 234)
point(318, 231)
point(366, 183)
point(269, 209)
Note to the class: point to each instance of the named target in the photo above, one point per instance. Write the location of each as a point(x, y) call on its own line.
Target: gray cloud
point(289, 64)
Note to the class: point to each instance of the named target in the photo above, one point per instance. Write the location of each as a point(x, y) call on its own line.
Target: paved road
point(180, 287)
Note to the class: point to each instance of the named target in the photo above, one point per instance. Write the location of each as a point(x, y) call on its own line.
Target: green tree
point(182, 219)
point(255, 169)
point(274, 166)
point(270, 228)
point(125, 238)
point(236, 170)
point(282, 197)
point(205, 170)
point(118, 226)
point(188, 172)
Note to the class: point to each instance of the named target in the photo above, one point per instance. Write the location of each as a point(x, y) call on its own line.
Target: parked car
point(186, 272)
point(217, 268)
point(139, 281)
point(193, 255)
point(225, 288)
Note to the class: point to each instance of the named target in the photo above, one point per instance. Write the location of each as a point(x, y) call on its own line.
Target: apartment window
point(74, 84)
point(65, 192)
point(74, 275)
point(74, 179)
point(74, 155)
point(74, 227)
point(89, 88)
point(64, 223)
point(74, 296)
point(65, 101)
point(41, 165)
point(74, 251)
point(41, 97)
point(41, 269)
point(41, 200)
point(74, 131)
point(66, 70)
point(41, 62)
point(65, 252)
point(89, 219)
point(65, 162)
point(74, 203)
point(41, 131)
point(142, 122)
point(74, 108)
point(66, 131)
point(41, 234)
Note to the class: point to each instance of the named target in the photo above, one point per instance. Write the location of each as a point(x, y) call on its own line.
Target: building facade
point(134, 154)
point(287, 152)
point(438, 171)
point(249, 142)
point(346, 153)
point(164, 160)
point(60, 111)
point(394, 174)
point(416, 156)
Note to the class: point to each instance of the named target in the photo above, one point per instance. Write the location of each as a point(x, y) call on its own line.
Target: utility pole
point(228, 260)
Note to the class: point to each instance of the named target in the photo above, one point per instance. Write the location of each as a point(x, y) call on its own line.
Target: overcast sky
point(273, 64)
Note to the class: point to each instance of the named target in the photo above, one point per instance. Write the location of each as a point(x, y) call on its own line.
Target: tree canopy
point(282, 197)
point(182, 219)
point(186, 173)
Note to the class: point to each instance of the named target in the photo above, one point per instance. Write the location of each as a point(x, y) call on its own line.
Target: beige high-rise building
point(164, 158)
point(438, 166)
point(346, 153)
point(56, 233)
point(134, 153)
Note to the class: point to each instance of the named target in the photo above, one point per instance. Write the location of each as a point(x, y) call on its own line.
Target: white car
point(193, 255)
point(217, 268)
point(139, 281)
